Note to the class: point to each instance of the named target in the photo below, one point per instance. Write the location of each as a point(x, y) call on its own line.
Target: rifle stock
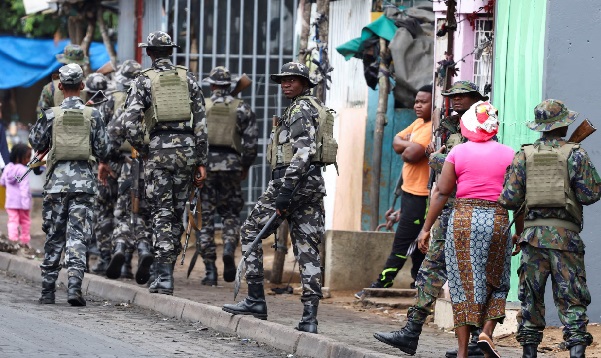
point(135, 189)
point(581, 132)
point(243, 83)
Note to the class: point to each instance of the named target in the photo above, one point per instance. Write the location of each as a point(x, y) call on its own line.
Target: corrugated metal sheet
point(151, 22)
point(347, 18)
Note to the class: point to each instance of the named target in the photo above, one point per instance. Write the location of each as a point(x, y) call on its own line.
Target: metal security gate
point(255, 37)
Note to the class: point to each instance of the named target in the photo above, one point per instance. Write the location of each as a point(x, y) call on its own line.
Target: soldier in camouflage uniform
point(303, 210)
point(232, 150)
point(177, 152)
point(550, 242)
point(51, 96)
point(70, 185)
point(432, 273)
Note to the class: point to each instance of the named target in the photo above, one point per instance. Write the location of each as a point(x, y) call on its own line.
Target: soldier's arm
point(39, 135)
point(514, 188)
point(302, 137)
point(249, 134)
point(436, 161)
point(100, 146)
point(585, 182)
point(46, 100)
point(198, 121)
point(115, 132)
point(138, 99)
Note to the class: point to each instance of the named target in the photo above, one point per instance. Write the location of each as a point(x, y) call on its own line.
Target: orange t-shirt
point(416, 175)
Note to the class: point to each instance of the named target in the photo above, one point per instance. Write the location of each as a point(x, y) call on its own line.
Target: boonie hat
point(219, 76)
point(551, 114)
point(96, 82)
point(293, 69)
point(464, 87)
point(480, 123)
point(127, 72)
point(70, 74)
point(72, 54)
point(158, 39)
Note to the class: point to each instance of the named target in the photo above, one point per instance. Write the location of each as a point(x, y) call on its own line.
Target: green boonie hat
point(70, 74)
point(219, 76)
point(72, 54)
point(551, 114)
point(158, 39)
point(293, 69)
point(464, 87)
point(96, 82)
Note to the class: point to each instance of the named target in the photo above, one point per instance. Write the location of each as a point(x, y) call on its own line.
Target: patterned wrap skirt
point(478, 259)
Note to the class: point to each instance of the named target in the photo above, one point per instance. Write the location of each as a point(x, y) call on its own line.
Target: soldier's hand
point(104, 170)
point(199, 176)
point(283, 201)
point(516, 246)
point(423, 241)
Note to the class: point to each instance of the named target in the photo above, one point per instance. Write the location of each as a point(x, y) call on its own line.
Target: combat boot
point(126, 268)
point(103, 262)
point(254, 304)
point(145, 260)
point(74, 295)
point(308, 322)
point(406, 339)
point(113, 271)
point(164, 282)
point(48, 289)
point(472, 347)
point(577, 351)
point(210, 278)
point(153, 273)
point(229, 266)
point(529, 351)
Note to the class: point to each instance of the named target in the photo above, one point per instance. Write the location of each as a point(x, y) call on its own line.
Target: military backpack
point(71, 130)
point(170, 97)
point(222, 124)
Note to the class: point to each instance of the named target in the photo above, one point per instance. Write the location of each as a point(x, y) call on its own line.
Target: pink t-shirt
point(480, 168)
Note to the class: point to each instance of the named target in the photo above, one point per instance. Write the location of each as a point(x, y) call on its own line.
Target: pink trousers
point(18, 218)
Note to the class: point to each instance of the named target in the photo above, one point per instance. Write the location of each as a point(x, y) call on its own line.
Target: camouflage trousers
point(124, 232)
point(220, 194)
point(168, 174)
point(104, 207)
point(433, 272)
point(306, 221)
point(68, 224)
point(570, 293)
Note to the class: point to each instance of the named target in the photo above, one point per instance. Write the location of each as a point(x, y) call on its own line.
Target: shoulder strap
point(87, 113)
point(57, 111)
point(150, 73)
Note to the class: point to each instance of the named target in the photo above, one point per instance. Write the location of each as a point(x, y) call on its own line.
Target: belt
point(222, 149)
point(280, 172)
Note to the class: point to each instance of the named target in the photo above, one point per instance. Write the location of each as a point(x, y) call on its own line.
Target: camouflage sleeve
point(514, 188)
point(109, 108)
point(46, 99)
point(116, 133)
point(585, 179)
point(100, 147)
point(199, 122)
point(247, 125)
point(137, 101)
point(302, 137)
point(436, 161)
point(39, 135)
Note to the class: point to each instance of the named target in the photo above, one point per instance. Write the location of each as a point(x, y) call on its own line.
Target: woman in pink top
point(477, 246)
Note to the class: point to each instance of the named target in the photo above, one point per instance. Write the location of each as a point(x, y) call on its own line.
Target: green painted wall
point(518, 76)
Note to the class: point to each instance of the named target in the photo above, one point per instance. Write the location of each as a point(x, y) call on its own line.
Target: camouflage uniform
point(175, 150)
point(71, 54)
point(68, 194)
point(222, 192)
point(551, 250)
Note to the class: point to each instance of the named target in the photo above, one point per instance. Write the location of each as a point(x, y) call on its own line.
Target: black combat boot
point(529, 351)
point(153, 273)
point(48, 289)
point(472, 347)
point(126, 268)
point(254, 304)
point(74, 295)
point(164, 282)
point(308, 322)
point(102, 263)
point(577, 351)
point(113, 271)
point(229, 266)
point(210, 278)
point(145, 260)
point(406, 339)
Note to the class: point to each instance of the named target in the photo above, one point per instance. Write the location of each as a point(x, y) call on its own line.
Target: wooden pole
point(451, 27)
point(374, 186)
point(323, 8)
point(305, 10)
point(105, 38)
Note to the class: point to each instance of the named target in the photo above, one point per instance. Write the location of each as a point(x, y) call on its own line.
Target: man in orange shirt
point(410, 144)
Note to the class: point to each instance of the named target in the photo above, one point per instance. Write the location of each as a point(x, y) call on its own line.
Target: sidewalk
point(345, 327)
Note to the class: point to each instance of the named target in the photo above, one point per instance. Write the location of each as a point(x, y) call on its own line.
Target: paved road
point(104, 329)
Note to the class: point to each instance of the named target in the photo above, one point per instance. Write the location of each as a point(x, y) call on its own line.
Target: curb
point(273, 334)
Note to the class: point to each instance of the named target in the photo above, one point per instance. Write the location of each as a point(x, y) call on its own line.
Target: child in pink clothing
point(18, 197)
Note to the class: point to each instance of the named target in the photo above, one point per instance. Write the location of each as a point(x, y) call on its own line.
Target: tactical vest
point(548, 184)
point(170, 97)
point(119, 98)
point(327, 147)
point(70, 135)
point(58, 96)
point(222, 124)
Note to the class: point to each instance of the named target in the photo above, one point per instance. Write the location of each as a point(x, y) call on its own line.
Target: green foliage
point(13, 21)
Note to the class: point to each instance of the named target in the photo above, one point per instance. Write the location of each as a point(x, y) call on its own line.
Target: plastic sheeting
point(26, 61)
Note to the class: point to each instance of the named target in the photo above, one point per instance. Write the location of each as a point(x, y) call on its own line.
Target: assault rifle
point(192, 217)
point(136, 165)
point(35, 162)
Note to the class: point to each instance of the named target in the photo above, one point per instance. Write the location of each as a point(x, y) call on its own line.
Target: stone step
point(390, 292)
point(389, 302)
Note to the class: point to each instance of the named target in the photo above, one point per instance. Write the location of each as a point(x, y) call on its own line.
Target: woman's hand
point(423, 241)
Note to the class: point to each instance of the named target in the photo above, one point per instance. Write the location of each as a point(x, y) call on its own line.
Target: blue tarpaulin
point(24, 61)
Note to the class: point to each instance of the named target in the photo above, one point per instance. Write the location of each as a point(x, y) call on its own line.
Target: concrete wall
point(572, 56)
